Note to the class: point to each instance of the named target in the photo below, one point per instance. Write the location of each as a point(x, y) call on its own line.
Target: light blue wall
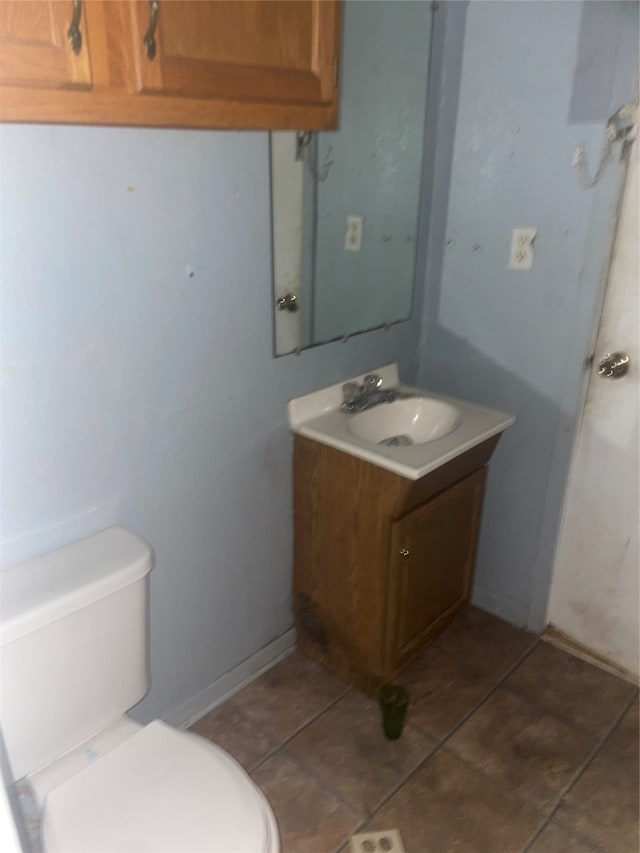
point(376, 172)
point(520, 87)
point(136, 393)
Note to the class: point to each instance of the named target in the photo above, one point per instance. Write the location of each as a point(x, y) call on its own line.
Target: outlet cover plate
point(386, 841)
point(521, 254)
point(353, 234)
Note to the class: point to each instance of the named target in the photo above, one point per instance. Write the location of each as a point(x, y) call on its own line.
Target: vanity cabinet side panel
point(433, 552)
point(342, 528)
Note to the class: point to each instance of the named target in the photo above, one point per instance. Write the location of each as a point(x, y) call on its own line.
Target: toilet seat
point(162, 790)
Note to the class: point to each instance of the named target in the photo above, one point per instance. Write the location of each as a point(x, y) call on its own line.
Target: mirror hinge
point(335, 71)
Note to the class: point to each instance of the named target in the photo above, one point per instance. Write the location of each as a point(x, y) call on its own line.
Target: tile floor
point(510, 745)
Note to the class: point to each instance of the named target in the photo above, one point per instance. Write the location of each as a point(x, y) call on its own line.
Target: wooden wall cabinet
point(381, 563)
point(176, 63)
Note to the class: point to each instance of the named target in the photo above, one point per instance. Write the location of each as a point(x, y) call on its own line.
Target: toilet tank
point(73, 644)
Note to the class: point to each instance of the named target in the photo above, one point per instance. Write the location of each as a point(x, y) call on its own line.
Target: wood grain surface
point(359, 608)
point(218, 64)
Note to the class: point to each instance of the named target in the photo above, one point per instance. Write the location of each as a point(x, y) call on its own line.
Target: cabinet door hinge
point(335, 71)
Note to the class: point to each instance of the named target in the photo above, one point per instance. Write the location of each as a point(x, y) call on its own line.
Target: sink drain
point(397, 441)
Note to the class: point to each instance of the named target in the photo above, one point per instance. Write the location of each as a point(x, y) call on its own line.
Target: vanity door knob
point(404, 552)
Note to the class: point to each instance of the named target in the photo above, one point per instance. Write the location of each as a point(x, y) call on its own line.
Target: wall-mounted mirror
point(345, 203)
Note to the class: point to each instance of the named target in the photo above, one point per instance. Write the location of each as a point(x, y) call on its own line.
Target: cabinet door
point(254, 64)
point(432, 556)
point(254, 50)
point(35, 49)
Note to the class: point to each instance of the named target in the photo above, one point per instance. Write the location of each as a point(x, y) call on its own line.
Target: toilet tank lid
point(47, 588)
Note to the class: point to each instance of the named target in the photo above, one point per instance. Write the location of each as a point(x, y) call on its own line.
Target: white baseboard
point(185, 714)
point(504, 608)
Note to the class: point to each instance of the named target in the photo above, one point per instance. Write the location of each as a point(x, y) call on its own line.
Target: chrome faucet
point(357, 398)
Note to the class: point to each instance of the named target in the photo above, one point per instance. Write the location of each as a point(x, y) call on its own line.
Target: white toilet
point(74, 659)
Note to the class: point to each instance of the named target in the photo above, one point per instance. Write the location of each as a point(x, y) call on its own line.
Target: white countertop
point(318, 416)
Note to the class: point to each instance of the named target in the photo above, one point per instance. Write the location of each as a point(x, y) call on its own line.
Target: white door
point(594, 597)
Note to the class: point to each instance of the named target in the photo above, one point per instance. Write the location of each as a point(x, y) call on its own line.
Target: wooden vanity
point(382, 563)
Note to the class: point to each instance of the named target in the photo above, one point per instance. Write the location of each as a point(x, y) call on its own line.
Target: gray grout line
point(301, 728)
point(342, 846)
point(544, 823)
point(576, 776)
point(558, 715)
point(327, 787)
point(296, 760)
point(438, 744)
point(545, 815)
point(443, 740)
point(513, 795)
point(424, 733)
point(545, 818)
point(247, 717)
point(282, 748)
point(578, 836)
point(525, 654)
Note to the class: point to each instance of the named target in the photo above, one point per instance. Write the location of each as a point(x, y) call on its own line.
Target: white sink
point(415, 420)
point(425, 429)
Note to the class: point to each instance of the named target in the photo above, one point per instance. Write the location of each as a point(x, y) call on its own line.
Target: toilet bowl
point(74, 658)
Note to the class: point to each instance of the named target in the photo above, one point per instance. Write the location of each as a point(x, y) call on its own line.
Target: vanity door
point(238, 64)
point(252, 52)
point(432, 556)
point(44, 45)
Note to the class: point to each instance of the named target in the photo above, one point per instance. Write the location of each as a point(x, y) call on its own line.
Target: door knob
point(404, 552)
point(613, 365)
point(288, 302)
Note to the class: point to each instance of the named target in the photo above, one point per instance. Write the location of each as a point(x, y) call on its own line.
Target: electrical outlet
point(388, 841)
point(521, 255)
point(353, 235)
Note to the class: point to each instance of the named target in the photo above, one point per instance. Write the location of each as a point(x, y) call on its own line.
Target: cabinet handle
point(149, 40)
point(404, 552)
point(73, 33)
